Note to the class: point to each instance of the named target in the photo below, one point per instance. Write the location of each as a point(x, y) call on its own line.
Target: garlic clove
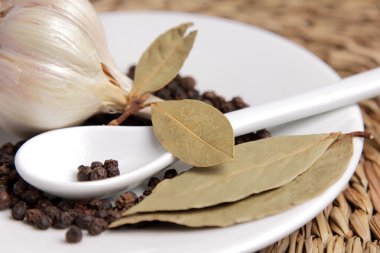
point(55, 67)
point(54, 100)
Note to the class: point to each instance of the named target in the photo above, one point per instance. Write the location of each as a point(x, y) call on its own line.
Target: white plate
point(233, 59)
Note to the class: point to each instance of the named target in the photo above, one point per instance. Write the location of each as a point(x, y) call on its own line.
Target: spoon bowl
point(50, 160)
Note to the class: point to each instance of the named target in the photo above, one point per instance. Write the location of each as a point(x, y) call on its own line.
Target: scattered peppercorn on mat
point(344, 34)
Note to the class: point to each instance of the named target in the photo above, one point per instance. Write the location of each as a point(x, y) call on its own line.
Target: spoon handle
point(342, 93)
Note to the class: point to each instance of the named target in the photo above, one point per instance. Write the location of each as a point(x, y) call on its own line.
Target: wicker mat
point(346, 35)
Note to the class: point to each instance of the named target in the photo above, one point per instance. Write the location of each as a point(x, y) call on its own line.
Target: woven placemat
point(346, 35)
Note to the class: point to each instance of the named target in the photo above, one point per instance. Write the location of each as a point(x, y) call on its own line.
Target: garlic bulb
point(55, 69)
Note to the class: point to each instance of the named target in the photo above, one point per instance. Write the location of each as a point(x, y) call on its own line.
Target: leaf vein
point(190, 131)
point(201, 187)
point(158, 68)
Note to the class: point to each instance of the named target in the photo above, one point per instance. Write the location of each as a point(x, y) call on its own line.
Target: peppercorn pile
point(98, 170)
point(35, 208)
point(185, 88)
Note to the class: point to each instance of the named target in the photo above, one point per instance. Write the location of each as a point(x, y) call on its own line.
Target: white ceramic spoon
point(49, 161)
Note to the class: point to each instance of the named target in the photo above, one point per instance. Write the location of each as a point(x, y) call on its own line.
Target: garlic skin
point(55, 69)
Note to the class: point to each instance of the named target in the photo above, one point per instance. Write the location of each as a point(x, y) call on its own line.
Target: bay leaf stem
point(361, 134)
point(136, 105)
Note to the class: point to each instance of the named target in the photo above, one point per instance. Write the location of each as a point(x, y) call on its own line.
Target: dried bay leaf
point(161, 62)
point(327, 170)
point(193, 131)
point(257, 166)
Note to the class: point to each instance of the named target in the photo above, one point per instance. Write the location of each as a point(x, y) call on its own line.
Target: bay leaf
point(257, 166)
point(193, 131)
point(327, 170)
point(161, 62)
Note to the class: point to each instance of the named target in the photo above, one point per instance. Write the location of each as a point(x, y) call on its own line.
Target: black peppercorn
point(52, 212)
point(19, 210)
point(84, 173)
point(100, 204)
point(169, 174)
point(13, 177)
point(64, 205)
point(19, 188)
point(98, 173)
point(32, 195)
point(4, 170)
point(38, 219)
point(227, 107)
point(112, 167)
point(147, 192)
point(96, 164)
point(97, 226)
point(111, 163)
point(102, 213)
point(14, 201)
point(7, 148)
point(113, 215)
point(263, 134)
point(32, 215)
point(153, 182)
point(5, 200)
point(238, 103)
point(80, 205)
point(74, 235)
point(6, 159)
point(64, 220)
point(188, 83)
point(84, 222)
point(126, 200)
point(140, 198)
point(3, 187)
point(164, 94)
point(43, 203)
point(43, 222)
